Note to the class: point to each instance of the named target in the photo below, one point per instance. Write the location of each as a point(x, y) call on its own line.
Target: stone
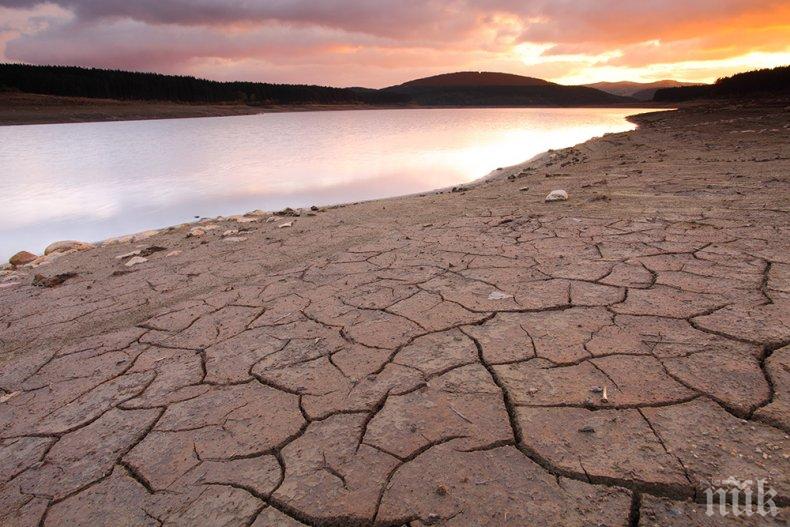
point(67, 245)
point(286, 224)
point(257, 213)
point(234, 239)
point(129, 254)
point(40, 280)
point(557, 195)
point(136, 260)
point(196, 232)
point(22, 258)
point(498, 295)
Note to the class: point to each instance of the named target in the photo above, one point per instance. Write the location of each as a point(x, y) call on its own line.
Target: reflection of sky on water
point(91, 181)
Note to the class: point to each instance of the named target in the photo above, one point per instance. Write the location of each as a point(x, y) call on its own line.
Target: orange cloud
point(348, 42)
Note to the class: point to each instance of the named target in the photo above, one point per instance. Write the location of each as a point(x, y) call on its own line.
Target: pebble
point(127, 255)
point(523, 189)
point(557, 195)
point(587, 430)
point(243, 219)
point(136, 260)
point(8, 396)
point(172, 253)
point(498, 295)
point(67, 245)
point(234, 239)
point(257, 213)
point(286, 224)
point(196, 232)
point(230, 232)
point(22, 258)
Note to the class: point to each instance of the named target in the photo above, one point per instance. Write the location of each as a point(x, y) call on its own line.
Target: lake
point(92, 181)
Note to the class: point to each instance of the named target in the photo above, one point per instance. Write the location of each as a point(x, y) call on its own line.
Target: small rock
point(128, 255)
point(314, 208)
point(196, 232)
point(67, 245)
point(287, 224)
point(596, 389)
point(51, 281)
point(243, 219)
point(557, 195)
point(8, 396)
point(22, 258)
point(288, 211)
point(148, 251)
point(271, 219)
point(587, 430)
point(523, 189)
point(136, 260)
point(172, 253)
point(257, 213)
point(432, 519)
point(230, 232)
point(498, 295)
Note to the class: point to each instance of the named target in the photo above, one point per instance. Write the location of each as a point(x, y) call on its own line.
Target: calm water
point(92, 181)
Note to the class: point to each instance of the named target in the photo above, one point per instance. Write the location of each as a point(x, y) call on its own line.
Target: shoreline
point(21, 109)
point(444, 357)
point(459, 187)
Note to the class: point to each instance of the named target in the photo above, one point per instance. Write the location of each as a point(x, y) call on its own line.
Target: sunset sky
point(383, 42)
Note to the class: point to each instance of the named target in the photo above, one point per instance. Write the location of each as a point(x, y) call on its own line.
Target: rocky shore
point(477, 356)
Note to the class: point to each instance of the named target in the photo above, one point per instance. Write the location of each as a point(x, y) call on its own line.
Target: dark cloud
point(384, 40)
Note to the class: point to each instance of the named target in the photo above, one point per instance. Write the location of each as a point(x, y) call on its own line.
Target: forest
point(69, 81)
point(756, 83)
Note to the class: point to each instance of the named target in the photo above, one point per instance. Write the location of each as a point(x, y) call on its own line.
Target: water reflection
point(91, 181)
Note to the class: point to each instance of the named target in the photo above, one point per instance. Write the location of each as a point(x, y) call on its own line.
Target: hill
point(752, 84)
point(642, 91)
point(498, 89)
point(68, 81)
point(474, 78)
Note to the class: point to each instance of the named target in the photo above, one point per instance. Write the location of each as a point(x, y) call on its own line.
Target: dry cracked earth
point(475, 357)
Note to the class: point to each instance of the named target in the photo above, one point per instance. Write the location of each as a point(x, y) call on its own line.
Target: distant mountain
point(751, 84)
point(469, 88)
point(642, 91)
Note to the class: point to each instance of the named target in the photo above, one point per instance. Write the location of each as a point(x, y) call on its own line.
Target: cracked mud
point(472, 358)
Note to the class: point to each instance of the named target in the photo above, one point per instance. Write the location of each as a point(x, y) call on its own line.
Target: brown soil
point(24, 108)
point(476, 357)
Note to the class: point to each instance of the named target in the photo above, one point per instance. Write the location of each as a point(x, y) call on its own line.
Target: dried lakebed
point(468, 358)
